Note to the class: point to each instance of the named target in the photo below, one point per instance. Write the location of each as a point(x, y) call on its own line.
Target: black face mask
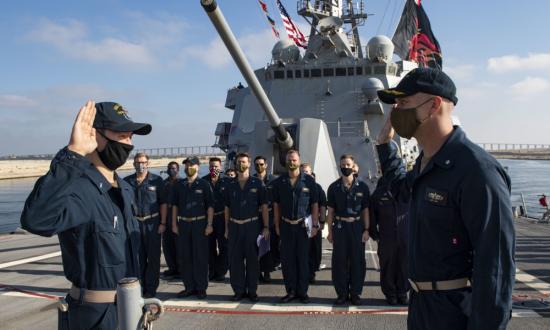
point(346, 171)
point(115, 154)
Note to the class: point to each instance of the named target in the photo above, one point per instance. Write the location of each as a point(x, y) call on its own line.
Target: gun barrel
point(218, 20)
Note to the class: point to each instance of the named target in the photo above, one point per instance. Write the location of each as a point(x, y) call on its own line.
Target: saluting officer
point(388, 226)
point(348, 223)
point(169, 246)
point(294, 199)
point(148, 194)
point(271, 259)
point(89, 207)
point(218, 261)
point(461, 228)
point(244, 195)
point(192, 216)
point(316, 242)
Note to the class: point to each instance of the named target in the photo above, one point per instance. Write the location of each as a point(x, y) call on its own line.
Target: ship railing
point(347, 128)
point(514, 147)
point(528, 204)
point(199, 151)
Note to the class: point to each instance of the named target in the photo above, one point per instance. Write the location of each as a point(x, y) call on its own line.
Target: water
point(13, 194)
point(530, 177)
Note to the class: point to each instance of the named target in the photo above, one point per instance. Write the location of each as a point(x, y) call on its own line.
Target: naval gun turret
point(326, 99)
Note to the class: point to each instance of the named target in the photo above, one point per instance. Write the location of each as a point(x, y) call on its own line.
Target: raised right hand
point(387, 132)
point(83, 139)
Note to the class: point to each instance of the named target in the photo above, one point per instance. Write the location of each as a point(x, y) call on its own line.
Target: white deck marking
point(291, 308)
point(532, 282)
point(32, 259)
point(201, 304)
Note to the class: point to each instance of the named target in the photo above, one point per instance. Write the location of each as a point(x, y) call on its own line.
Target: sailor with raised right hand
point(91, 209)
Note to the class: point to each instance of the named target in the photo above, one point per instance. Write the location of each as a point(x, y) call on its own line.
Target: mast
point(351, 13)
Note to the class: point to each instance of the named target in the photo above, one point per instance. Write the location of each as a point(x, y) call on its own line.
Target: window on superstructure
point(351, 71)
point(279, 74)
point(340, 72)
point(328, 72)
point(306, 73)
point(290, 74)
point(315, 73)
point(298, 74)
point(359, 70)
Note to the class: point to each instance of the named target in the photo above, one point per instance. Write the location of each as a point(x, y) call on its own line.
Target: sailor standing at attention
point(461, 228)
point(218, 261)
point(192, 216)
point(271, 259)
point(295, 199)
point(90, 208)
point(169, 247)
point(149, 195)
point(244, 195)
point(348, 223)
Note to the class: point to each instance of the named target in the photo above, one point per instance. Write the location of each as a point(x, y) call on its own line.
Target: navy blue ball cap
point(113, 116)
point(425, 80)
point(193, 160)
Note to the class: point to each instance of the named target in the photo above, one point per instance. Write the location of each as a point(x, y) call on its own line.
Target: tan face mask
point(405, 120)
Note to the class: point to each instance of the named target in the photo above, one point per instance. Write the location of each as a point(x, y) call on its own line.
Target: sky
point(163, 61)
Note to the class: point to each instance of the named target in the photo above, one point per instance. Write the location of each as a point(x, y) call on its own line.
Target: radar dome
point(285, 51)
point(380, 49)
point(370, 88)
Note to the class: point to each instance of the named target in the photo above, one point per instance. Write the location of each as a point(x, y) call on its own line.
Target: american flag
point(292, 30)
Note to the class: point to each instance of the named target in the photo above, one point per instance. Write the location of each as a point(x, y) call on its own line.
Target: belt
point(191, 219)
point(94, 296)
point(347, 219)
point(147, 217)
point(243, 221)
point(440, 285)
point(218, 213)
point(292, 221)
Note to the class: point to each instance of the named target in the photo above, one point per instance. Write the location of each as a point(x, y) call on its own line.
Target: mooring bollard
point(132, 309)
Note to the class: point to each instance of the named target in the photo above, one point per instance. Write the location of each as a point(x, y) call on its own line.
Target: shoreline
point(25, 169)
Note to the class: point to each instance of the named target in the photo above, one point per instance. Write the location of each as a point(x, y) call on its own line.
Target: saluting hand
point(83, 139)
point(387, 132)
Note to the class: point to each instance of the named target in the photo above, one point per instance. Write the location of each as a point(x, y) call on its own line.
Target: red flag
point(414, 39)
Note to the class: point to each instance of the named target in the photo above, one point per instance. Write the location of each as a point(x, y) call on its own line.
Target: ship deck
point(31, 280)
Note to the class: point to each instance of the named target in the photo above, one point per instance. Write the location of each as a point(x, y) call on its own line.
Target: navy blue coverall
point(148, 197)
point(316, 243)
point(169, 239)
point(388, 226)
point(348, 255)
point(218, 260)
point(460, 226)
point(295, 203)
point(98, 236)
point(243, 204)
point(193, 201)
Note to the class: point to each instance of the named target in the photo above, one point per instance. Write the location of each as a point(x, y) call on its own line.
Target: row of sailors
point(211, 225)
